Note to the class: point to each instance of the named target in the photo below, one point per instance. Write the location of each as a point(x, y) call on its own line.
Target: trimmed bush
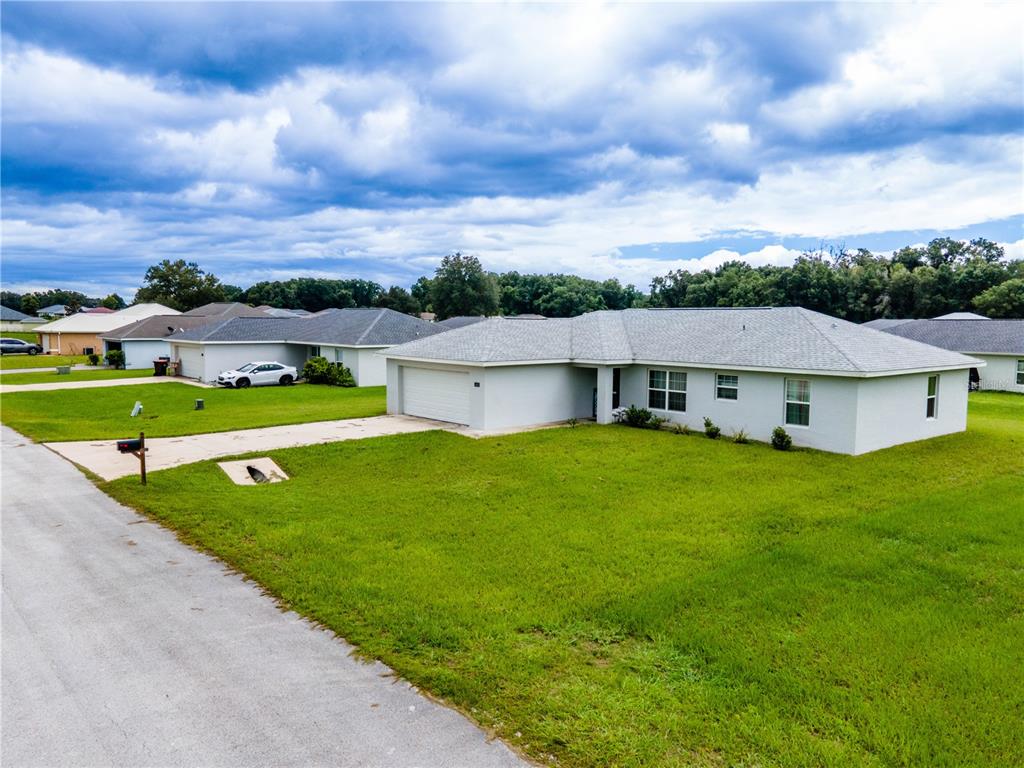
point(781, 441)
point(115, 358)
point(641, 418)
point(711, 429)
point(94, 359)
point(318, 370)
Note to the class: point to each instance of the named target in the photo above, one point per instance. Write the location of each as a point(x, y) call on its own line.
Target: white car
point(258, 374)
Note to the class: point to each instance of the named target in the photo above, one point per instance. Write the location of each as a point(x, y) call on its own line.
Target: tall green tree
point(30, 305)
point(180, 285)
point(1003, 300)
point(113, 301)
point(462, 287)
point(398, 299)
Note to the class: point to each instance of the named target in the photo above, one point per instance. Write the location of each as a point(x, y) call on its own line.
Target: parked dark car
point(17, 346)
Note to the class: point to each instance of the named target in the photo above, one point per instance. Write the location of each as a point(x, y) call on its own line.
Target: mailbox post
point(136, 448)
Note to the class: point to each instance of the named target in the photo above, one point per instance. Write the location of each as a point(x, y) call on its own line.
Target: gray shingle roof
point(784, 338)
point(156, 327)
point(351, 327)
point(980, 336)
point(461, 321)
point(221, 309)
point(11, 315)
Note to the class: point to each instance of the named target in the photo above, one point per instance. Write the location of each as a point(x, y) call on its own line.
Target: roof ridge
point(370, 327)
point(803, 314)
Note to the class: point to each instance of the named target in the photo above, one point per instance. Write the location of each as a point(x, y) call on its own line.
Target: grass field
point(612, 596)
point(14, 362)
point(104, 412)
point(24, 336)
point(51, 376)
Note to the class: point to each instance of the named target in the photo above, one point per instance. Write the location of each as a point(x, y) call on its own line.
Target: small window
point(339, 355)
point(798, 402)
point(314, 351)
point(666, 390)
point(932, 409)
point(1020, 372)
point(727, 387)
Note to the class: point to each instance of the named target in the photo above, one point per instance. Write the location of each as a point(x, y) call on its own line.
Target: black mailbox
point(130, 445)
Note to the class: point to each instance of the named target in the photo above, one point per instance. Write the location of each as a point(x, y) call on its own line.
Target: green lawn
point(52, 377)
point(621, 597)
point(14, 362)
point(23, 335)
point(104, 412)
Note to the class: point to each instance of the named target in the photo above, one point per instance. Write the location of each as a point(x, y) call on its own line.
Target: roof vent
point(834, 325)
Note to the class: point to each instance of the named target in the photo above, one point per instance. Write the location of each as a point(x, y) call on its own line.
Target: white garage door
point(191, 362)
point(431, 394)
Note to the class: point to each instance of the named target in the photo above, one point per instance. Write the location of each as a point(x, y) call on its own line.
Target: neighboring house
point(270, 311)
point(143, 341)
point(98, 310)
point(13, 320)
point(998, 343)
point(348, 336)
point(81, 333)
point(54, 310)
point(832, 384)
point(460, 321)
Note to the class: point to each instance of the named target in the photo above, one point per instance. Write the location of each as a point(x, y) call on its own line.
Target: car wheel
point(33, 352)
point(242, 383)
point(286, 380)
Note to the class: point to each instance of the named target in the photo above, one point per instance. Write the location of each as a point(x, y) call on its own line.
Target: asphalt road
point(123, 647)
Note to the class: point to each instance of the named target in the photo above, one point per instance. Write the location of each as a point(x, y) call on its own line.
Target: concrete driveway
point(123, 647)
point(102, 458)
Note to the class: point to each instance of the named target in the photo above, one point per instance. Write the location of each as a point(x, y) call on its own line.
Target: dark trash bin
point(160, 366)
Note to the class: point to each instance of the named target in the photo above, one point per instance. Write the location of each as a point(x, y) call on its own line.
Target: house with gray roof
point(833, 385)
point(13, 320)
point(999, 344)
point(351, 337)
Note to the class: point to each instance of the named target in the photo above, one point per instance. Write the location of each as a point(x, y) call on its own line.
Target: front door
point(616, 381)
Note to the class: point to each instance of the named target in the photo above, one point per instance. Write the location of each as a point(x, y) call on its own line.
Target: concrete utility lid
point(238, 471)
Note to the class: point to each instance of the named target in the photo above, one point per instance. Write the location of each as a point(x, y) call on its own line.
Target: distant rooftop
point(978, 336)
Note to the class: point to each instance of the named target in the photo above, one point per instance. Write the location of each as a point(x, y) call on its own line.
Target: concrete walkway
point(121, 646)
point(8, 388)
point(102, 458)
point(46, 368)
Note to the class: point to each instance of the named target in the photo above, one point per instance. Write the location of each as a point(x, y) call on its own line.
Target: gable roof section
point(1004, 337)
point(460, 321)
point(784, 338)
point(12, 315)
point(156, 327)
point(226, 309)
point(345, 327)
point(84, 322)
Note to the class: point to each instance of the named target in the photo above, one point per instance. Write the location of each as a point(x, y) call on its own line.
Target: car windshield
point(247, 367)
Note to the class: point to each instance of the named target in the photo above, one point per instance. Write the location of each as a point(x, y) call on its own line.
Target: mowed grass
point(23, 335)
point(77, 374)
point(14, 362)
point(168, 409)
point(612, 596)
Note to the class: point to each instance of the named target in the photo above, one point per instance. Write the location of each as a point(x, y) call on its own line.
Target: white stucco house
point(143, 341)
point(833, 385)
point(999, 344)
point(348, 336)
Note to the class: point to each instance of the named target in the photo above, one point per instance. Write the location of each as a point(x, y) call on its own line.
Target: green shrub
point(781, 441)
point(115, 358)
point(94, 359)
point(641, 418)
point(318, 370)
point(681, 429)
point(573, 422)
point(741, 437)
point(710, 429)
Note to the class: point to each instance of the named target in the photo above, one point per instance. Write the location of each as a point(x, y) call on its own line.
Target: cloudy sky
point(270, 141)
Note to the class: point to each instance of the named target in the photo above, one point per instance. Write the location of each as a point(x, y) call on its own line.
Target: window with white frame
point(339, 355)
point(314, 351)
point(1020, 372)
point(798, 402)
point(727, 387)
point(932, 409)
point(666, 390)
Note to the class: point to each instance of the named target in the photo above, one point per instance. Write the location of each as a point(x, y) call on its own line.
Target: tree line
point(944, 276)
